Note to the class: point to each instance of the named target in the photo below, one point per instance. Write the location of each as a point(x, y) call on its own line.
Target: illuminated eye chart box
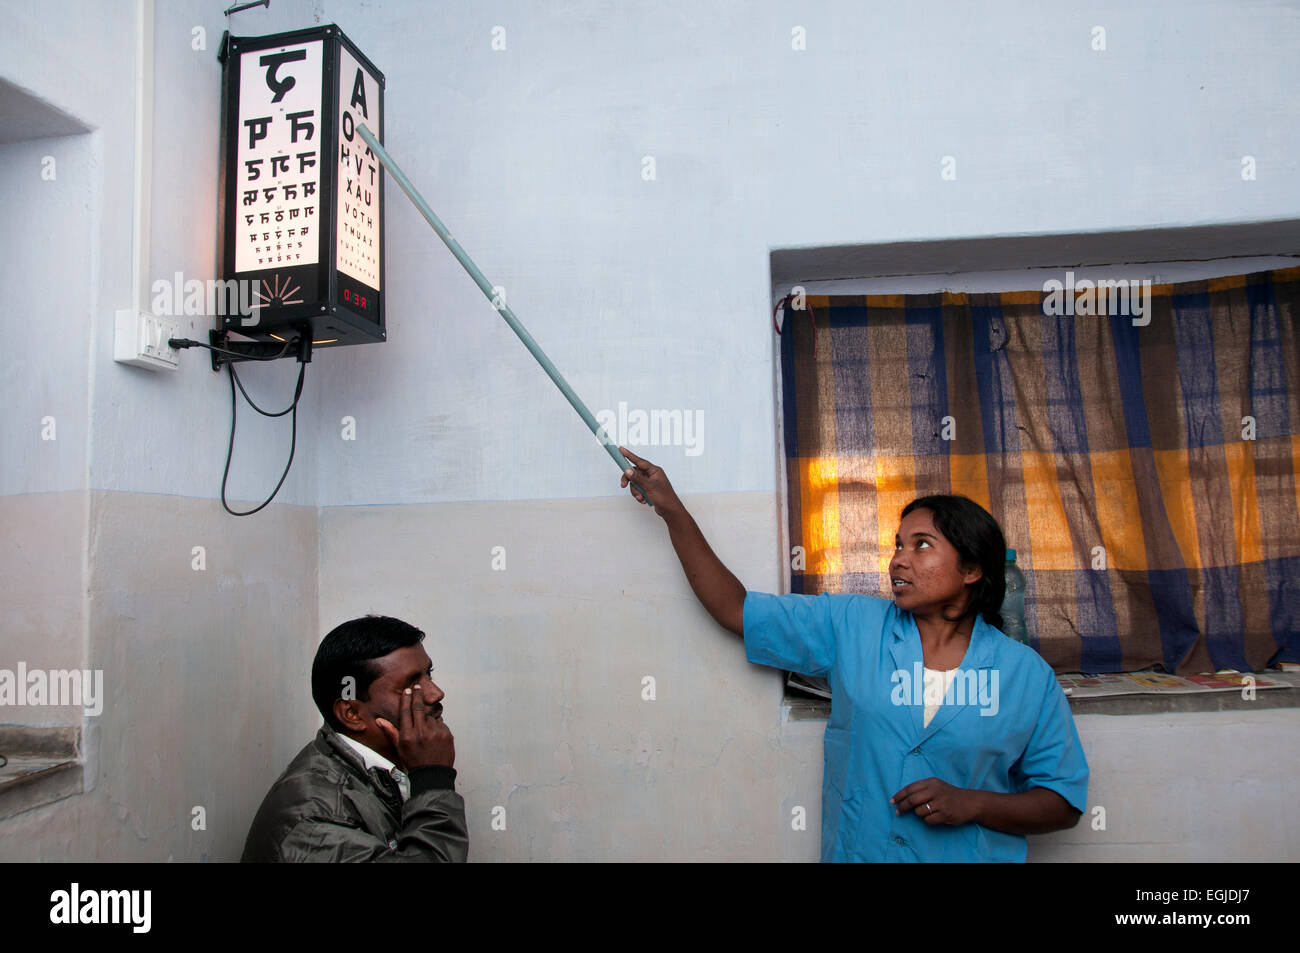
point(302, 196)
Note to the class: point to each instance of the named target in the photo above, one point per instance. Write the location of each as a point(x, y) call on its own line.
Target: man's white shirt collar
point(373, 759)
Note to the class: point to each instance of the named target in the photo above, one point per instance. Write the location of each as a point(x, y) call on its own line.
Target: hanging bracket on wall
point(226, 351)
point(241, 7)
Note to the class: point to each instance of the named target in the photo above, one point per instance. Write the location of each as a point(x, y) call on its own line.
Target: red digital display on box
point(356, 300)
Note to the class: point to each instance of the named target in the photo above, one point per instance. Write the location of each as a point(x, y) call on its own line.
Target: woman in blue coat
point(947, 740)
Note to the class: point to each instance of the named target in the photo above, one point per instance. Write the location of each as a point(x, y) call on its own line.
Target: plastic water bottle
point(1013, 606)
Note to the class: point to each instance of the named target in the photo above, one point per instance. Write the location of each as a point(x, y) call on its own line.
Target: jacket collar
point(329, 741)
point(369, 757)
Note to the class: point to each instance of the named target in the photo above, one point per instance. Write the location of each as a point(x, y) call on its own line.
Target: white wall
point(657, 293)
point(47, 250)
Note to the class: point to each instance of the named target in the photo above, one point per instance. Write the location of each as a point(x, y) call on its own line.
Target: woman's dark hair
point(347, 652)
point(978, 539)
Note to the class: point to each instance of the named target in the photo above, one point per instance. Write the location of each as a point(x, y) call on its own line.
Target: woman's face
point(925, 574)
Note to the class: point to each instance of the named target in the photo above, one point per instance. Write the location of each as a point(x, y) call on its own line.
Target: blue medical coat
point(1004, 726)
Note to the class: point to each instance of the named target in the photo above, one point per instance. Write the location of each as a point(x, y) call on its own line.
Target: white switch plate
point(140, 339)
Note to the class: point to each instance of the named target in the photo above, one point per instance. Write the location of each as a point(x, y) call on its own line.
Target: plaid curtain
point(1148, 476)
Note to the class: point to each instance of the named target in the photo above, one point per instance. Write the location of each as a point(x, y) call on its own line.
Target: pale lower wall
point(542, 665)
point(41, 613)
point(206, 677)
point(1193, 787)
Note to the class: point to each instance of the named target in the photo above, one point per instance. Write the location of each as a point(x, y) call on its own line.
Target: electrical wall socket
point(140, 339)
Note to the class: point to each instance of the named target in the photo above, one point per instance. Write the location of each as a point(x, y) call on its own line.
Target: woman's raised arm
point(718, 590)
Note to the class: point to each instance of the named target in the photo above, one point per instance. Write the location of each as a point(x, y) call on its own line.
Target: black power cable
point(266, 413)
point(234, 379)
point(230, 449)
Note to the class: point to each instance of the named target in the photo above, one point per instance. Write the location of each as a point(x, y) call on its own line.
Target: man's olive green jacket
point(327, 808)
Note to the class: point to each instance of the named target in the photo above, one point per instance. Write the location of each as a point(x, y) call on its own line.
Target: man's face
point(403, 668)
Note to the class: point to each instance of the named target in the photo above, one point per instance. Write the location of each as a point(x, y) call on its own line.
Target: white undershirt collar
point(373, 759)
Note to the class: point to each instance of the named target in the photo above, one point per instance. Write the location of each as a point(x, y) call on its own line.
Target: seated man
point(377, 783)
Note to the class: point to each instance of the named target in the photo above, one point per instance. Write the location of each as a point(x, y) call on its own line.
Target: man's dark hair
point(978, 539)
point(348, 651)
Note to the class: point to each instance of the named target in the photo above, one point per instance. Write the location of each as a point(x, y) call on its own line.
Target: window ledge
point(813, 709)
point(43, 766)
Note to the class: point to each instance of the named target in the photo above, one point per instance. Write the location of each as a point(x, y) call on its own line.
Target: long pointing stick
point(502, 307)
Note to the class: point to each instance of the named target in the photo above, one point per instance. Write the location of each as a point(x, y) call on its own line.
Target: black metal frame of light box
point(321, 315)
